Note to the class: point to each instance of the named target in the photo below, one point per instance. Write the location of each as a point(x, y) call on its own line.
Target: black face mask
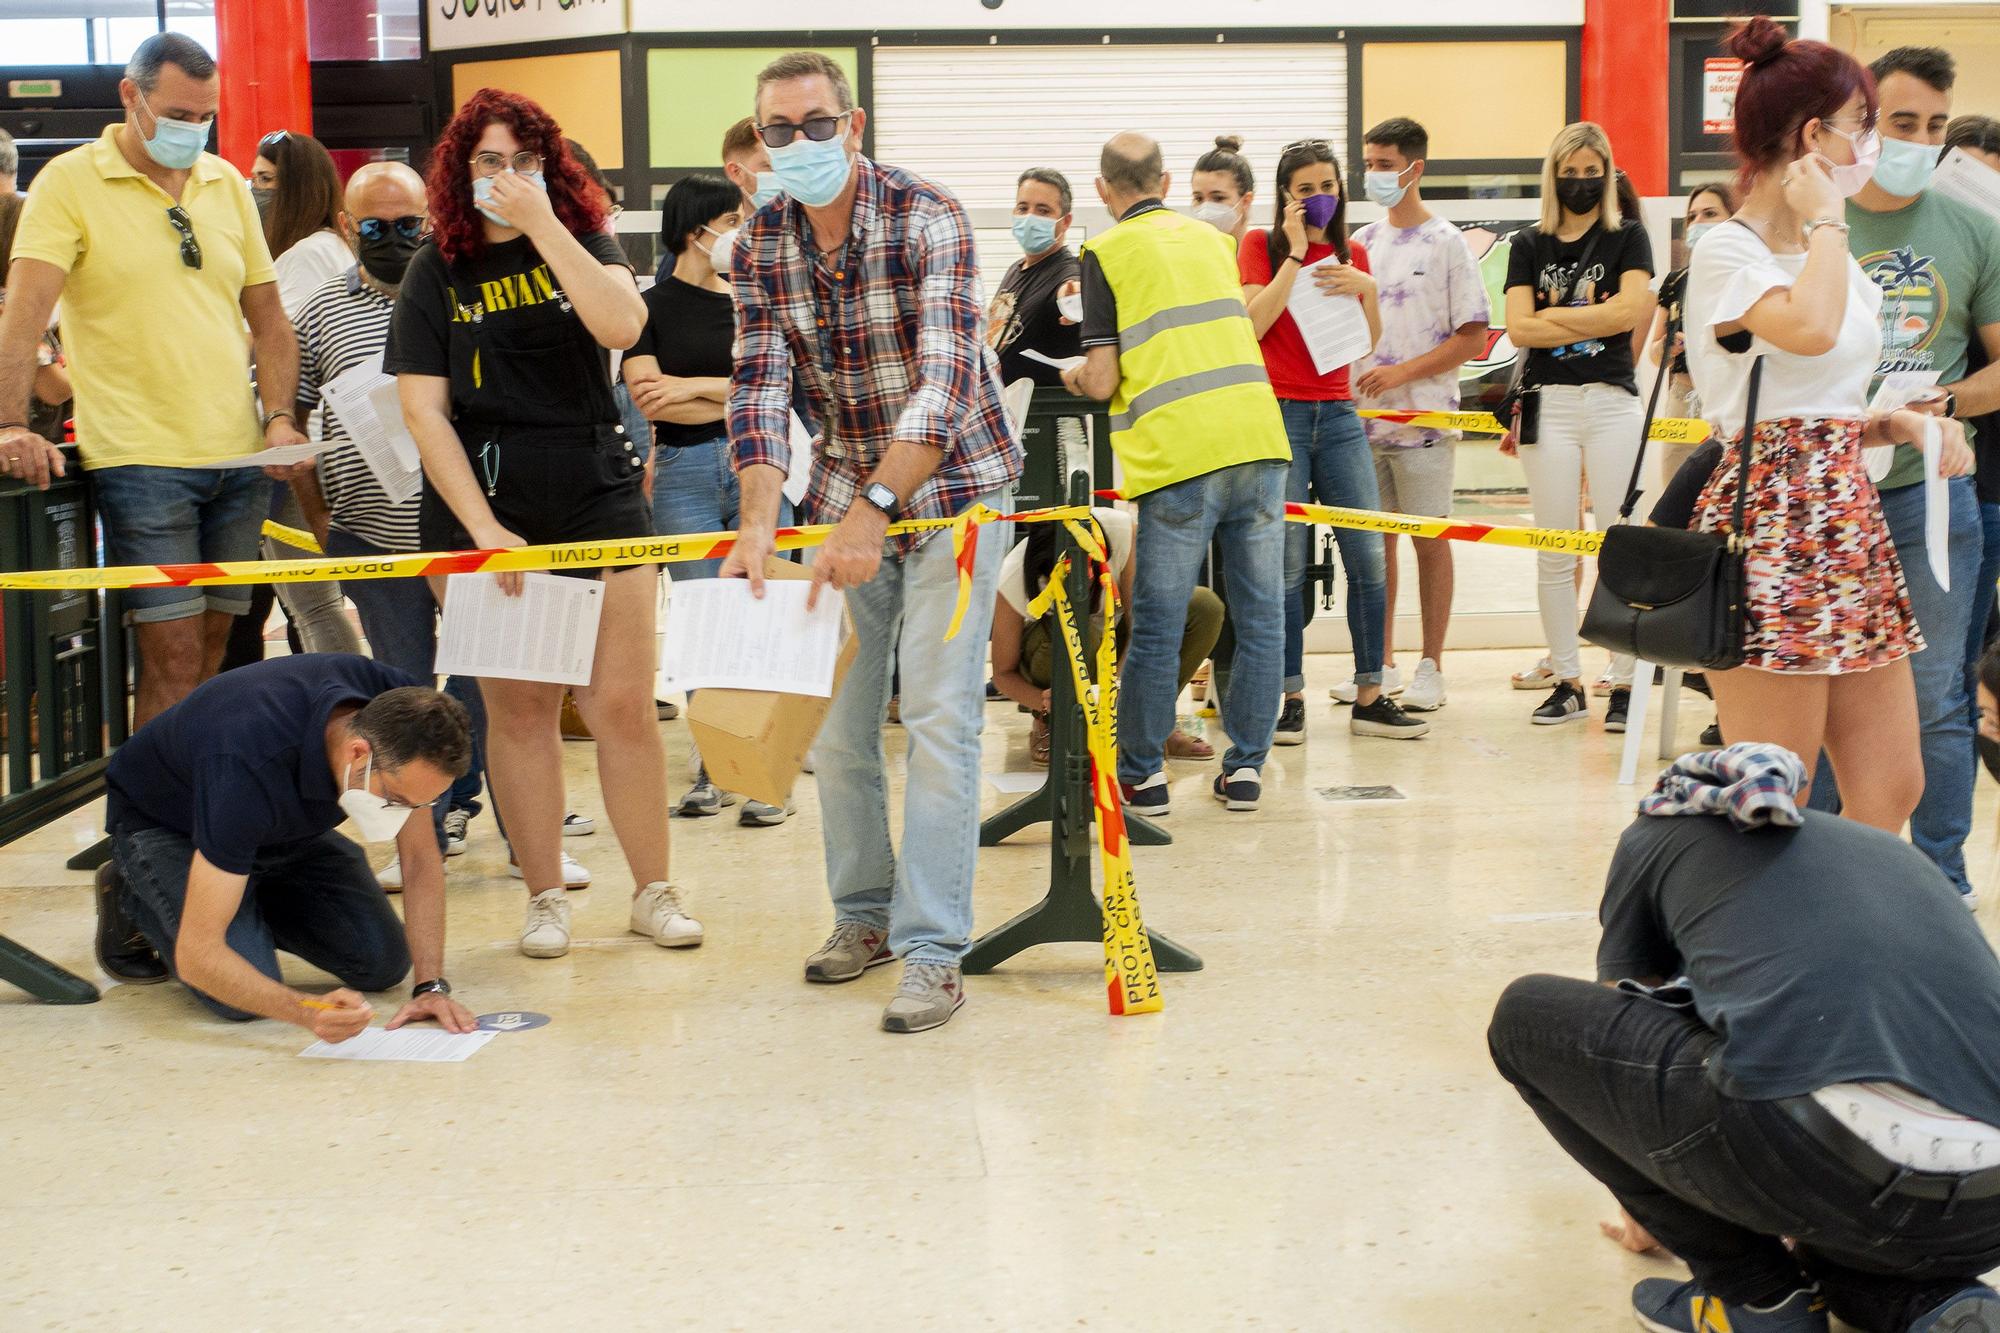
point(389, 258)
point(1580, 194)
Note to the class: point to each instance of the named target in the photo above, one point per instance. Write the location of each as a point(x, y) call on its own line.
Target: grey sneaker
point(928, 995)
point(762, 814)
point(704, 798)
point(454, 832)
point(851, 950)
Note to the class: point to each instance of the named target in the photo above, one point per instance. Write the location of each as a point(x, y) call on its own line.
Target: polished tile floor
point(1309, 1137)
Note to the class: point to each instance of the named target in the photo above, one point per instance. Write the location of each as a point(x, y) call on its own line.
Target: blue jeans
point(316, 899)
point(1331, 462)
point(1943, 818)
point(181, 516)
point(399, 620)
point(695, 490)
point(924, 898)
point(1243, 507)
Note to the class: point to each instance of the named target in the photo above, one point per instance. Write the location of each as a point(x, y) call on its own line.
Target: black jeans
point(1622, 1082)
point(316, 899)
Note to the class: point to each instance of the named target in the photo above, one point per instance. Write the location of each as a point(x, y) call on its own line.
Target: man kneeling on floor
point(1823, 1067)
point(222, 813)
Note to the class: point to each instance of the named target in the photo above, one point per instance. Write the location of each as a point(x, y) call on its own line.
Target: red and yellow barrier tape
point(1672, 430)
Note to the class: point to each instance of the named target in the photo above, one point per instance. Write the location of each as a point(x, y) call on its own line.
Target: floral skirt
point(1826, 593)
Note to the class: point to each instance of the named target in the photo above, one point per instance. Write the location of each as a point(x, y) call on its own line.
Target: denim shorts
point(181, 516)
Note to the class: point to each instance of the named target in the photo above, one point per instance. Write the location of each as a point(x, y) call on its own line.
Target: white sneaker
point(658, 912)
point(1346, 692)
point(390, 876)
point(578, 826)
point(574, 875)
point(546, 933)
point(455, 824)
point(1539, 677)
point(1426, 692)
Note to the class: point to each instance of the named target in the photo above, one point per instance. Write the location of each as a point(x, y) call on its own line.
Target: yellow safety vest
point(1193, 395)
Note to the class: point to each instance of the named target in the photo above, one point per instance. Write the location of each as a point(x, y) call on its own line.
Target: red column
point(266, 77)
point(1625, 84)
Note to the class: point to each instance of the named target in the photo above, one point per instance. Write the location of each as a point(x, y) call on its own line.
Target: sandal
point(1180, 745)
point(1038, 740)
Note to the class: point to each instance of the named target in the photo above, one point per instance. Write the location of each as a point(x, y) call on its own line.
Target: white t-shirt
point(304, 268)
point(1429, 288)
point(1118, 529)
point(1731, 271)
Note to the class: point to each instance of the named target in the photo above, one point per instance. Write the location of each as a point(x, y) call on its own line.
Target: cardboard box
point(754, 742)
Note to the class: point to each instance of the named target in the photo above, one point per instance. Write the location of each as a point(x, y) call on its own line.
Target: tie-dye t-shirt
point(1429, 288)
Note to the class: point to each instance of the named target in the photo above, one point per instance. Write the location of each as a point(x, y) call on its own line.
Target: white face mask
point(373, 816)
point(1222, 217)
point(719, 249)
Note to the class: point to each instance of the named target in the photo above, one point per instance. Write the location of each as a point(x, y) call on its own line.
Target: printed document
point(1963, 177)
point(720, 637)
point(1334, 327)
point(365, 401)
point(425, 1045)
point(547, 633)
point(283, 455)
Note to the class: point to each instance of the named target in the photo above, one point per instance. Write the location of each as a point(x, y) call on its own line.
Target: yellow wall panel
point(581, 90)
point(1969, 32)
point(1477, 99)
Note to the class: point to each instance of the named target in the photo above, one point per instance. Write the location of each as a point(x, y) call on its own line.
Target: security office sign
point(1720, 76)
point(456, 24)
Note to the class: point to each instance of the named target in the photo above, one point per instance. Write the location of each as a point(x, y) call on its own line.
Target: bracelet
point(288, 415)
point(439, 986)
point(1816, 223)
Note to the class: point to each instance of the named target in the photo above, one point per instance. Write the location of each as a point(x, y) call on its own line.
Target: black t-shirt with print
point(502, 330)
point(1549, 266)
point(692, 333)
point(1023, 316)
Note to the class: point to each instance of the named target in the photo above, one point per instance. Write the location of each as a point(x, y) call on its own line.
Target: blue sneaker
point(1241, 789)
point(1974, 1310)
point(1150, 798)
point(1666, 1306)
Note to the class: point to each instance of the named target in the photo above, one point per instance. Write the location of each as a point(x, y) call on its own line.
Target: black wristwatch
point(437, 987)
point(882, 498)
point(1951, 404)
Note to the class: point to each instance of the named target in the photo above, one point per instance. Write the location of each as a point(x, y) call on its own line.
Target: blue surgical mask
point(813, 173)
point(1034, 234)
point(482, 193)
point(761, 191)
point(1385, 187)
point(176, 144)
point(1905, 168)
point(1697, 230)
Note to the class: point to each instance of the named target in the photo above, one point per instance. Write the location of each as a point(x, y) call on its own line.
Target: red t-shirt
point(1285, 354)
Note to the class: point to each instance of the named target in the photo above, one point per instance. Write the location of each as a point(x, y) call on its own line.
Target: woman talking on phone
point(1578, 284)
point(1331, 460)
point(499, 343)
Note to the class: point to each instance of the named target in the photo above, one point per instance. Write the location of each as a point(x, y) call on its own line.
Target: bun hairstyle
point(1227, 155)
point(1785, 84)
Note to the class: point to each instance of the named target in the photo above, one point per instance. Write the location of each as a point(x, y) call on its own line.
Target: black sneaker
point(1291, 724)
point(1621, 706)
point(1711, 736)
point(121, 950)
point(1564, 704)
point(1385, 717)
point(1239, 790)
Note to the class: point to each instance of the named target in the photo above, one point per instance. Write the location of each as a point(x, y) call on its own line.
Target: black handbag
point(1670, 596)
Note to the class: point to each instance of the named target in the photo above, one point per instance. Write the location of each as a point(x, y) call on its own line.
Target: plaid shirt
point(1751, 782)
point(883, 335)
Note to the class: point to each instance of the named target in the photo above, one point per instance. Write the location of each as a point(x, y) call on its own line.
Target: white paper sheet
point(424, 1045)
point(1898, 389)
point(800, 476)
point(720, 637)
point(1015, 783)
point(283, 455)
point(1937, 507)
point(1963, 177)
point(1335, 327)
point(1059, 362)
point(547, 633)
point(365, 401)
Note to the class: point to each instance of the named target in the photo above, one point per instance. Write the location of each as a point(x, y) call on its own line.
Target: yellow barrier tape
point(294, 537)
point(1671, 430)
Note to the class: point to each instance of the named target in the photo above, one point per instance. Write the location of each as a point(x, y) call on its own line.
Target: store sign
point(22, 89)
point(1719, 78)
point(457, 24)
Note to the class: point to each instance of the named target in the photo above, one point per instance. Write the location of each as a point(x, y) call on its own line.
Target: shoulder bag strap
point(1748, 449)
point(1646, 431)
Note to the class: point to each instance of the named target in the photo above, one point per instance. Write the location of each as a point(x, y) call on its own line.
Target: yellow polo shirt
point(158, 352)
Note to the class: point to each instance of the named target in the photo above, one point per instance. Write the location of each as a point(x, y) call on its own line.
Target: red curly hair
point(458, 227)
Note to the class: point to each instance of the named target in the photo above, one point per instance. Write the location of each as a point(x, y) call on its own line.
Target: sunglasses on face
point(410, 228)
point(190, 248)
point(819, 129)
point(492, 164)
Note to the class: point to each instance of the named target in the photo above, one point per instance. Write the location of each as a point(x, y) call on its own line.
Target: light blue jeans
point(1333, 465)
point(1243, 507)
point(695, 490)
point(1943, 818)
point(924, 898)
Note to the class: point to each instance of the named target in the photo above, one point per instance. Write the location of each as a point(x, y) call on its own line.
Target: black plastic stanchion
point(1071, 913)
point(41, 978)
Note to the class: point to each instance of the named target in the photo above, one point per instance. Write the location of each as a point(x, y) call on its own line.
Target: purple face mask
point(1320, 209)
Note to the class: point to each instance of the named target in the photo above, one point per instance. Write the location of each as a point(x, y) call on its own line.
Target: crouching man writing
point(222, 813)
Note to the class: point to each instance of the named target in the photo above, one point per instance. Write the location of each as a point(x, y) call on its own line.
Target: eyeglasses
point(410, 228)
point(190, 248)
point(272, 140)
point(1317, 145)
point(492, 164)
point(819, 129)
